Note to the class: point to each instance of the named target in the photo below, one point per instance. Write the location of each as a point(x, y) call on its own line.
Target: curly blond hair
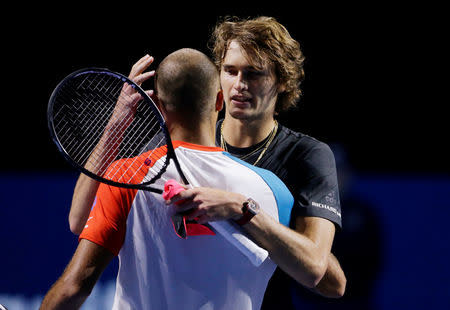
point(265, 41)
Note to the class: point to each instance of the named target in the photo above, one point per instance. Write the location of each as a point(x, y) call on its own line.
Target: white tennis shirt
point(159, 270)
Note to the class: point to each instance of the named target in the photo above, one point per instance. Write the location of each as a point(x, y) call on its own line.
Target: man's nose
point(240, 83)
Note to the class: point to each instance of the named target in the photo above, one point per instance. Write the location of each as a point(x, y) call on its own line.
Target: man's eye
point(231, 71)
point(254, 74)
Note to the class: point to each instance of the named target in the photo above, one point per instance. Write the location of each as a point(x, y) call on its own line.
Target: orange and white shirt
point(159, 270)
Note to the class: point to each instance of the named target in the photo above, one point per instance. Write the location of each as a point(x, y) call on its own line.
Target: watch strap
point(248, 214)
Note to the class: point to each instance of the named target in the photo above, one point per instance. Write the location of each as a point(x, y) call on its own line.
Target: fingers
point(184, 204)
point(141, 65)
point(187, 194)
point(137, 74)
point(199, 214)
point(205, 204)
point(139, 79)
point(196, 214)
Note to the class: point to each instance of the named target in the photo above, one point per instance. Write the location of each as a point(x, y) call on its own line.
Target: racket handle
point(232, 234)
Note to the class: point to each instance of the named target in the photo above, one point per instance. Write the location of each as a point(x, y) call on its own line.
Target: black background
point(373, 83)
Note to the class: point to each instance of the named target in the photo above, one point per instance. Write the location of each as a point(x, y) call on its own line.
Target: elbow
point(340, 288)
point(337, 290)
point(70, 294)
point(313, 276)
point(79, 285)
point(76, 227)
point(317, 273)
point(330, 286)
point(79, 293)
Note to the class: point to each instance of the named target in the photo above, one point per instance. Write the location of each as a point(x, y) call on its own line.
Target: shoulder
point(302, 147)
point(282, 195)
point(269, 178)
point(302, 141)
point(308, 168)
point(240, 164)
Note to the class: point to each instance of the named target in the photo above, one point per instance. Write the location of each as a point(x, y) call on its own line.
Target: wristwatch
point(250, 208)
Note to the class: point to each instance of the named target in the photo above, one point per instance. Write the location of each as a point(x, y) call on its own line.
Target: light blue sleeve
point(283, 197)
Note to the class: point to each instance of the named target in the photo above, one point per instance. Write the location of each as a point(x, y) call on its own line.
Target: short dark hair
point(187, 81)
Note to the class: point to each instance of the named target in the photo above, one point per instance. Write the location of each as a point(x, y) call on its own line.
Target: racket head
point(107, 127)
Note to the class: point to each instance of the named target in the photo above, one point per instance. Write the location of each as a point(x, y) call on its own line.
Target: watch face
point(253, 206)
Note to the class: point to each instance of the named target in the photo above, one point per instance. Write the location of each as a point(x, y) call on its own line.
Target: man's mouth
point(240, 101)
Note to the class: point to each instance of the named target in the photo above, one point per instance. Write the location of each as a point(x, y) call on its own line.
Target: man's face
point(249, 93)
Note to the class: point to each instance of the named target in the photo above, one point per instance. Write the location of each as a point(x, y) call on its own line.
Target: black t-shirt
point(305, 165)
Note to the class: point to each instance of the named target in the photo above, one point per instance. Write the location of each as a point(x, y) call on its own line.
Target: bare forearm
point(83, 198)
point(86, 187)
point(296, 254)
point(302, 253)
point(79, 277)
point(63, 296)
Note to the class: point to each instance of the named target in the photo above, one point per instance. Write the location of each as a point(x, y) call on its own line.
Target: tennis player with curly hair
point(261, 70)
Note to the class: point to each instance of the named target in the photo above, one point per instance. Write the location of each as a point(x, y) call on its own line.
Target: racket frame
point(170, 150)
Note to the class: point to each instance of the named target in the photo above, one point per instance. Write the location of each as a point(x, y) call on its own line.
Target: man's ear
point(219, 101)
point(281, 88)
point(160, 104)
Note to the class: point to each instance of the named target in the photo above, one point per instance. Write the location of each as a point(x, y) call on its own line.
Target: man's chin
point(239, 114)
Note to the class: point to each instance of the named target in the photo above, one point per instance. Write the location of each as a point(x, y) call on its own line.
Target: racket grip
point(256, 254)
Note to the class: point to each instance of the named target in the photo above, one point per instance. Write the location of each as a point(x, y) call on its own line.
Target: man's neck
point(202, 133)
point(245, 133)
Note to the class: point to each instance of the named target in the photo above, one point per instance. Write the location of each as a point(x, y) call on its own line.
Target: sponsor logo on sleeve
point(326, 207)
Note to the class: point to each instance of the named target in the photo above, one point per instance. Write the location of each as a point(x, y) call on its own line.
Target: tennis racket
point(108, 128)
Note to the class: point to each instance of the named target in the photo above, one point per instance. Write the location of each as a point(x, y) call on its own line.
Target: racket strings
point(107, 127)
point(138, 164)
point(146, 175)
point(113, 134)
point(149, 123)
point(95, 131)
point(101, 113)
point(94, 117)
point(79, 104)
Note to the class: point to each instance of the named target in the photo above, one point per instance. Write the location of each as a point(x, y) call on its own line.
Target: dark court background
point(374, 91)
